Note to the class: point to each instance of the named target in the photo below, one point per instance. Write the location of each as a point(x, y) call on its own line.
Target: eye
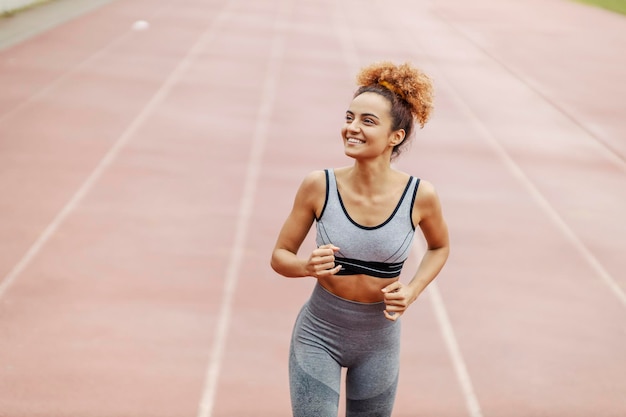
point(348, 117)
point(368, 121)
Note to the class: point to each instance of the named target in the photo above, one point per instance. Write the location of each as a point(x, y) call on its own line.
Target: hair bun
point(409, 83)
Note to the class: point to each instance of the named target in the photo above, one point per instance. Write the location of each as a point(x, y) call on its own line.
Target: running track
point(145, 175)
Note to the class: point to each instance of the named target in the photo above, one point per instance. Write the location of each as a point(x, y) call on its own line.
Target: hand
point(397, 298)
point(321, 263)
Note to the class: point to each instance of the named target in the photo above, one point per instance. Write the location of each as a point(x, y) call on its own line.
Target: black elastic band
point(374, 269)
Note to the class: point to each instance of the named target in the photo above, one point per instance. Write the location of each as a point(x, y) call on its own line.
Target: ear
point(397, 137)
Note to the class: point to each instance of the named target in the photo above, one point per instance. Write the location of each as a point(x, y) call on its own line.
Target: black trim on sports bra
point(417, 184)
point(325, 198)
point(395, 210)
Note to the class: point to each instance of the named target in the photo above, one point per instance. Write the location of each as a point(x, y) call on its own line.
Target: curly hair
point(408, 89)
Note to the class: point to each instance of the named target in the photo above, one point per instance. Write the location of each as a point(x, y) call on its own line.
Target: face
point(367, 131)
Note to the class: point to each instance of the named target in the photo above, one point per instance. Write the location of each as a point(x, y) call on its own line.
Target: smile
point(356, 141)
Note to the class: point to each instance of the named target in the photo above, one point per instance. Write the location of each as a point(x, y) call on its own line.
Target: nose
point(353, 126)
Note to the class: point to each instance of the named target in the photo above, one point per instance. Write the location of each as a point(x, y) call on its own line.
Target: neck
point(370, 176)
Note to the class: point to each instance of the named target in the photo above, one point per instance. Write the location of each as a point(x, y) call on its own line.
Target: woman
point(365, 215)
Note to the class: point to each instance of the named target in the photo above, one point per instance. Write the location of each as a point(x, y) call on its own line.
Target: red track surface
point(144, 177)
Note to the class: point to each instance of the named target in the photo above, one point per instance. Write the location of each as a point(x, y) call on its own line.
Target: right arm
point(309, 201)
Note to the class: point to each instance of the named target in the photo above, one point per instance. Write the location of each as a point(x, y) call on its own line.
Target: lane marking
point(246, 208)
point(72, 71)
point(515, 169)
point(609, 151)
point(518, 173)
point(110, 156)
point(454, 351)
point(452, 346)
point(541, 201)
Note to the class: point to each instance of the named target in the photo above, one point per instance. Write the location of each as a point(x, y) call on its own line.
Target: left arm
point(428, 214)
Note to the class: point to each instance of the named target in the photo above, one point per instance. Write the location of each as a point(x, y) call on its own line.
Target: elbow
point(445, 250)
point(274, 262)
point(441, 250)
point(283, 264)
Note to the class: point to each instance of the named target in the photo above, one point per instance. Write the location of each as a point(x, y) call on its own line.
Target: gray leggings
point(331, 333)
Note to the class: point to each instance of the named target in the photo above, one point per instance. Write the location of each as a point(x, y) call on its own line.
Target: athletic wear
point(379, 251)
point(331, 333)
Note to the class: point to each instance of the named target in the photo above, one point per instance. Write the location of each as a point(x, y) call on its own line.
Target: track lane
point(124, 290)
point(126, 294)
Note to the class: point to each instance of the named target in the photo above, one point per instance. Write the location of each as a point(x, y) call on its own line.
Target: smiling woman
point(366, 215)
point(408, 91)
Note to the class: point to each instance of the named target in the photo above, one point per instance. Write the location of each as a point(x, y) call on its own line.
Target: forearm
point(288, 264)
point(430, 266)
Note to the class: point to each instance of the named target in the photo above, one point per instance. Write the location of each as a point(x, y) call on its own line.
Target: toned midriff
point(359, 288)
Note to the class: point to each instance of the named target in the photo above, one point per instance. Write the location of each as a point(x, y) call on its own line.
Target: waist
point(346, 313)
point(357, 288)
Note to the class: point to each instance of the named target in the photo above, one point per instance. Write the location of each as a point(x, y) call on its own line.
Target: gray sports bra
point(379, 251)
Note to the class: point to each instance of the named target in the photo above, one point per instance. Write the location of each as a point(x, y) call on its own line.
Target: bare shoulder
point(426, 201)
point(312, 192)
point(314, 180)
point(426, 191)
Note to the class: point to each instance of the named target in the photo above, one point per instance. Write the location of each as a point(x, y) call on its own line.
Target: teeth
point(353, 140)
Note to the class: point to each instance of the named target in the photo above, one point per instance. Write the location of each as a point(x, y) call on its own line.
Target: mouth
point(355, 141)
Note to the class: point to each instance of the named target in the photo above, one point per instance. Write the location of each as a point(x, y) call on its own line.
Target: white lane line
point(541, 201)
point(452, 345)
point(605, 147)
point(72, 71)
point(110, 156)
point(246, 208)
point(611, 283)
point(518, 173)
